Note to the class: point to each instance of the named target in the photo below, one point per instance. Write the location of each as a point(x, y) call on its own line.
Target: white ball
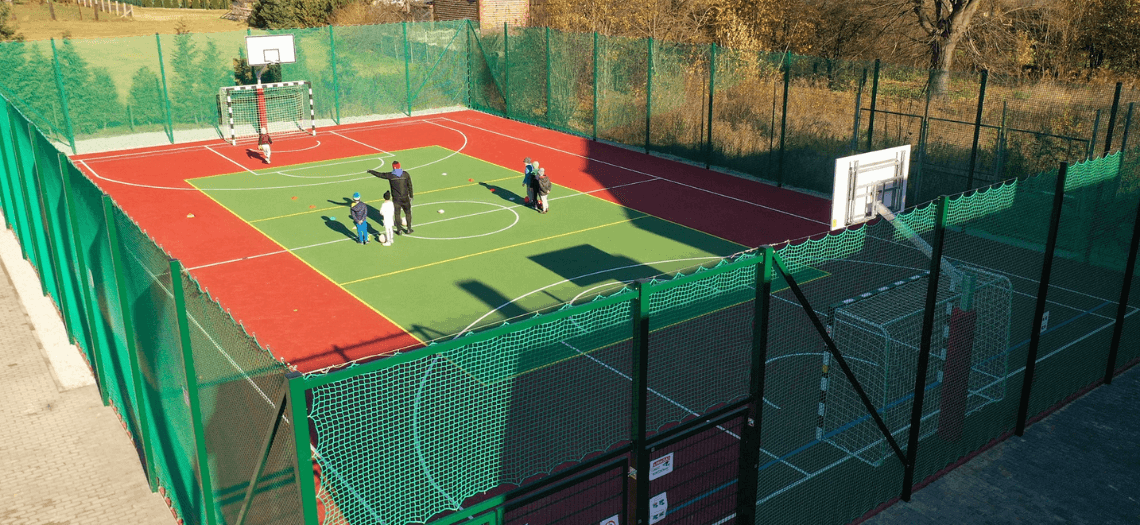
point(441, 211)
point(445, 174)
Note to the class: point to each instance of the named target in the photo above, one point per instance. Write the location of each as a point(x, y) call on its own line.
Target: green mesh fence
point(147, 272)
point(314, 63)
point(241, 391)
point(195, 66)
point(370, 70)
point(680, 92)
point(570, 106)
point(437, 64)
point(487, 70)
point(747, 99)
point(623, 75)
point(423, 435)
point(35, 234)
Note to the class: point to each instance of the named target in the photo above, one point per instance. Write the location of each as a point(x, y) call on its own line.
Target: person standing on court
point(542, 190)
point(388, 215)
point(528, 175)
point(359, 212)
point(402, 193)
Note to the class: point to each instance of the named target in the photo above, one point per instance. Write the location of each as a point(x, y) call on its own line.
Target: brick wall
point(492, 13)
point(456, 10)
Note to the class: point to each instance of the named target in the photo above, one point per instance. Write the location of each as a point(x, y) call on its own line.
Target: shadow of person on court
point(504, 194)
point(347, 202)
point(340, 227)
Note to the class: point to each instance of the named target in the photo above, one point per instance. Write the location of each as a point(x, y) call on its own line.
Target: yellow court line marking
point(461, 257)
point(314, 268)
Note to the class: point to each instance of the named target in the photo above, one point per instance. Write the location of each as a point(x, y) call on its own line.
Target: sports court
point(284, 229)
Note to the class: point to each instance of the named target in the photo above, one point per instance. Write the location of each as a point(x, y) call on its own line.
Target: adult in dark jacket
point(402, 194)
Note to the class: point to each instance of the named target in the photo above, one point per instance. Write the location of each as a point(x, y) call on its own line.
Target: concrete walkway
point(1080, 465)
point(65, 458)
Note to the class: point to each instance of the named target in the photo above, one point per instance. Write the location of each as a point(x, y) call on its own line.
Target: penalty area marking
point(155, 187)
point(500, 206)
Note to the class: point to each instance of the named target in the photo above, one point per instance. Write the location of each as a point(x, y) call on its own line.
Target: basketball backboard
point(270, 49)
point(865, 179)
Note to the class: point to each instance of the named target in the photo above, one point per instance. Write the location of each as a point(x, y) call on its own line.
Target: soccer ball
point(404, 221)
point(382, 238)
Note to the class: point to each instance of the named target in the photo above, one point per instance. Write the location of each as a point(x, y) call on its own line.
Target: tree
point(146, 97)
point(287, 14)
point(102, 103)
point(944, 22)
point(8, 23)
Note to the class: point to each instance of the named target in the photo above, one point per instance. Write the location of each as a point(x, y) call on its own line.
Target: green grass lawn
point(484, 259)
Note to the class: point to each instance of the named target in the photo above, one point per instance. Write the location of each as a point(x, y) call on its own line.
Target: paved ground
point(65, 459)
point(1080, 465)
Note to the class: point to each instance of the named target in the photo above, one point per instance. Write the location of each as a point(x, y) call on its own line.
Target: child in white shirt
point(388, 214)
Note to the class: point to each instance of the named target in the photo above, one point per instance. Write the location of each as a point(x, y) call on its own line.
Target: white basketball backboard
point(864, 179)
point(270, 49)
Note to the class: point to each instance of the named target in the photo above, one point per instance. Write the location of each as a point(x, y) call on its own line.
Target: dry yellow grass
point(34, 21)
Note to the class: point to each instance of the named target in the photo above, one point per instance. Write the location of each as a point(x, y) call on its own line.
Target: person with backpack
point(542, 191)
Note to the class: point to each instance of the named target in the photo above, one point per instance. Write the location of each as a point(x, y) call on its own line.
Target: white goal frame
point(304, 122)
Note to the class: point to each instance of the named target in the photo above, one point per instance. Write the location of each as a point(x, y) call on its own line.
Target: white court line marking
point(639, 172)
point(236, 163)
point(314, 146)
point(361, 143)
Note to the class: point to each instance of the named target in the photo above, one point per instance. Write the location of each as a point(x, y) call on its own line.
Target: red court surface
point(311, 322)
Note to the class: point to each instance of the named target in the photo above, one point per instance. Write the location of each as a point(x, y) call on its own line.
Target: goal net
point(278, 109)
point(879, 335)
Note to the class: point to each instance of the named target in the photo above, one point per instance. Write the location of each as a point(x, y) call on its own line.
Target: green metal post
point(874, 106)
point(306, 485)
point(749, 465)
point(55, 257)
point(266, 447)
point(923, 134)
point(12, 170)
point(595, 85)
point(977, 129)
point(999, 164)
point(1112, 118)
point(62, 96)
point(141, 404)
point(712, 91)
point(21, 178)
point(506, 69)
point(640, 401)
point(1127, 127)
point(787, 63)
point(648, 92)
point(1122, 307)
point(407, 71)
point(1042, 297)
point(192, 394)
point(858, 110)
point(336, 79)
point(87, 292)
point(941, 212)
point(1092, 139)
point(548, 74)
point(165, 92)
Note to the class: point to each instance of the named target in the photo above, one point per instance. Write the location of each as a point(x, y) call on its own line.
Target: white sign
point(661, 466)
point(612, 520)
point(1045, 322)
point(658, 508)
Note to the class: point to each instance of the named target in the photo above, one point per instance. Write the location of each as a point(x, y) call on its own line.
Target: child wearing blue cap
point(359, 212)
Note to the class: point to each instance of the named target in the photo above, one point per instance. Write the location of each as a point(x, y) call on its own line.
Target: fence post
point(1042, 293)
point(648, 91)
point(640, 393)
point(941, 210)
point(62, 97)
point(999, 162)
point(595, 85)
point(407, 71)
point(923, 133)
point(1112, 118)
point(750, 438)
point(129, 334)
point(336, 79)
point(874, 106)
point(22, 179)
point(307, 486)
point(191, 376)
point(977, 129)
point(55, 258)
point(1127, 126)
point(1092, 140)
point(1125, 290)
point(12, 168)
point(165, 92)
point(858, 109)
point(548, 74)
point(507, 69)
point(786, 62)
point(712, 91)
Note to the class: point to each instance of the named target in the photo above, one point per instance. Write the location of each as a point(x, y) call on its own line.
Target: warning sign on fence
point(658, 508)
point(661, 466)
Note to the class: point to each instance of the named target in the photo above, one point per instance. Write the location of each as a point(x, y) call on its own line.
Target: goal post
point(277, 109)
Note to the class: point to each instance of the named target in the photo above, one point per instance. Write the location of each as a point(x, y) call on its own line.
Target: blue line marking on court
point(700, 497)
